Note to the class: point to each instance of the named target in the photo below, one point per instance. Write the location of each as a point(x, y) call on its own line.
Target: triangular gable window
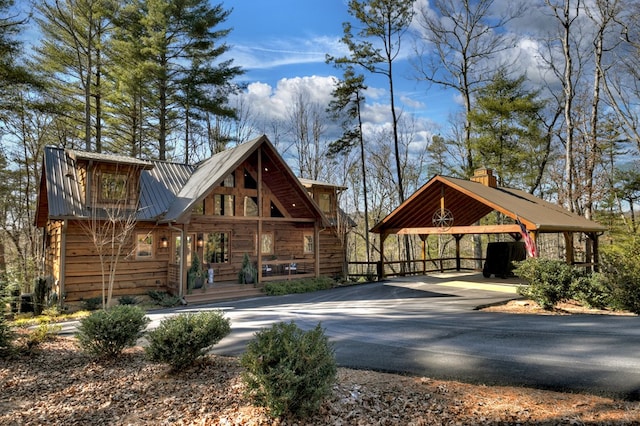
point(275, 212)
point(249, 181)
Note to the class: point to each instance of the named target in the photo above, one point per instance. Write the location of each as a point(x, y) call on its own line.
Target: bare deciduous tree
point(458, 46)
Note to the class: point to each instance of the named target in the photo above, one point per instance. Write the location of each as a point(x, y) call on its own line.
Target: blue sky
point(282, 45)
point(284, 38)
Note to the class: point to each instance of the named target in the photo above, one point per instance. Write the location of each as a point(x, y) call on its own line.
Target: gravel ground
point(58, 385)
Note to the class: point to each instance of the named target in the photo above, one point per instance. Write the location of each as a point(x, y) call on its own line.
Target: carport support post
point(458, 237)
point(423, 238)
point(383, 237)
point(568, 242)
point(593, 254)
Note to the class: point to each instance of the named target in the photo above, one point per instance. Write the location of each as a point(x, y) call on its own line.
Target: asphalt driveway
point(428, 326)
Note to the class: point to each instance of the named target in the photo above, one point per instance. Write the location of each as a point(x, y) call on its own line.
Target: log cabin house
point(242, 202)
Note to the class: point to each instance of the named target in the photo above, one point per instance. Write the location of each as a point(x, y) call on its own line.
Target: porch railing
point(287, 269)
point(374, 270)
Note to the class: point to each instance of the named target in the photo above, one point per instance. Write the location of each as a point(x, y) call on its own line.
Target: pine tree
point(181, 42)
point(507, 132)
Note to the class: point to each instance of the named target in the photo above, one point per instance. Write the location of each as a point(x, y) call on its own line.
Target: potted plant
point(248, 272)
point(195, 275)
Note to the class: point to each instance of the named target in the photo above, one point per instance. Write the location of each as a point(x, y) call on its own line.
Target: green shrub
point(106, 333)
point(43, 333)
point(305, 285)
point(549, 281)
point(288, 370)
point(591, 289)
point(128, 300)
point(621, 266)
point(6, 337)
point(179, 340)
point(248, 272)
point(163, 299)
point(92, 304)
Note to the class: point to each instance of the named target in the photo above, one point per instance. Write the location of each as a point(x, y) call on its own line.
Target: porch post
point(63, 262)
point(183, 264)
point(316, 239)
point(458, 237)
point(568, 242)
point(383, 236)
point(423, 237)
point(593, 236)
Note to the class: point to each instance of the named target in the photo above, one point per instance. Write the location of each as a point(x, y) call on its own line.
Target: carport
point(452, 206)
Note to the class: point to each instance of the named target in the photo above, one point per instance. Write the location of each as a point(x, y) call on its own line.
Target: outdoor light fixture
point(200, 241)
point(164, 242)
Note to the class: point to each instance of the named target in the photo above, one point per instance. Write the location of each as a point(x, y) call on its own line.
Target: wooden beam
point(481, 229)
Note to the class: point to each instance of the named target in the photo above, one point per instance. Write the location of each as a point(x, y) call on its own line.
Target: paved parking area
point(428, 326)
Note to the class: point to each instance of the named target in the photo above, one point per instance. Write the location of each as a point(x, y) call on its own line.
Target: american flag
point(532, 251)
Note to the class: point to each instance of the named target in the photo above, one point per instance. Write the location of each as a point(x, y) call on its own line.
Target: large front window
point(216, 247)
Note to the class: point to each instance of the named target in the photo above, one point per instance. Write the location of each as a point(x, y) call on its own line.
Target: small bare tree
point(113, 218)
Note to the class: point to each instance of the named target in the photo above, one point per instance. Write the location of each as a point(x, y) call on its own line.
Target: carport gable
point(469, 201)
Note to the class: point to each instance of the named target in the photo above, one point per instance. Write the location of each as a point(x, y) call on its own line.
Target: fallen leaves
point(58, 385)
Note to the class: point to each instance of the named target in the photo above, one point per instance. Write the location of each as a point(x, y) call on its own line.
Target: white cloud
point(272, 53)
point(274, 103)
point(412, 103)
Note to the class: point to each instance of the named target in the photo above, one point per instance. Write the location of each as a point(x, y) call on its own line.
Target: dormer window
point(112, 187)
point(324, 202)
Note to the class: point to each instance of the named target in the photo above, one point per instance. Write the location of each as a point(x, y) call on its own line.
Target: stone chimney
point(485, 177)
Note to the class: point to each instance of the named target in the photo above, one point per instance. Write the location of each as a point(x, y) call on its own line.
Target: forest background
point(553, 109)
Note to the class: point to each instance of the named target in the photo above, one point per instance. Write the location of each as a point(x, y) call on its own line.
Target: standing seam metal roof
point(168, 190)
point(159, 184)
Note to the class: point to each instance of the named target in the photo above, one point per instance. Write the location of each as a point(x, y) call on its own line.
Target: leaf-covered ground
point(59, 385)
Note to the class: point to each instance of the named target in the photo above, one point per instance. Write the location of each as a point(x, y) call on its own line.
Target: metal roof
point(168, 191)
point(470, 201)
point(276, 175)
point(309, 183)
point(64, 199)
point(159, 187)
point(62, 192)
point(208, 174)
point(108, 158)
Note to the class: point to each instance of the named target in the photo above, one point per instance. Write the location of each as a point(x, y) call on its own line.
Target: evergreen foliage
point(549, 281)
point(288, 370)
point(507, 133)
point(163, 298)
point(181, 339)
point(621, 266)
point(305, 285)
point(106, 333)
point(248, 272)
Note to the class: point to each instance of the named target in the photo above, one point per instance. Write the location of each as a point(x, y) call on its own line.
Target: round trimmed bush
point(288, 370)
point(549, 281)
point(181, 339)
point(106, 333)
